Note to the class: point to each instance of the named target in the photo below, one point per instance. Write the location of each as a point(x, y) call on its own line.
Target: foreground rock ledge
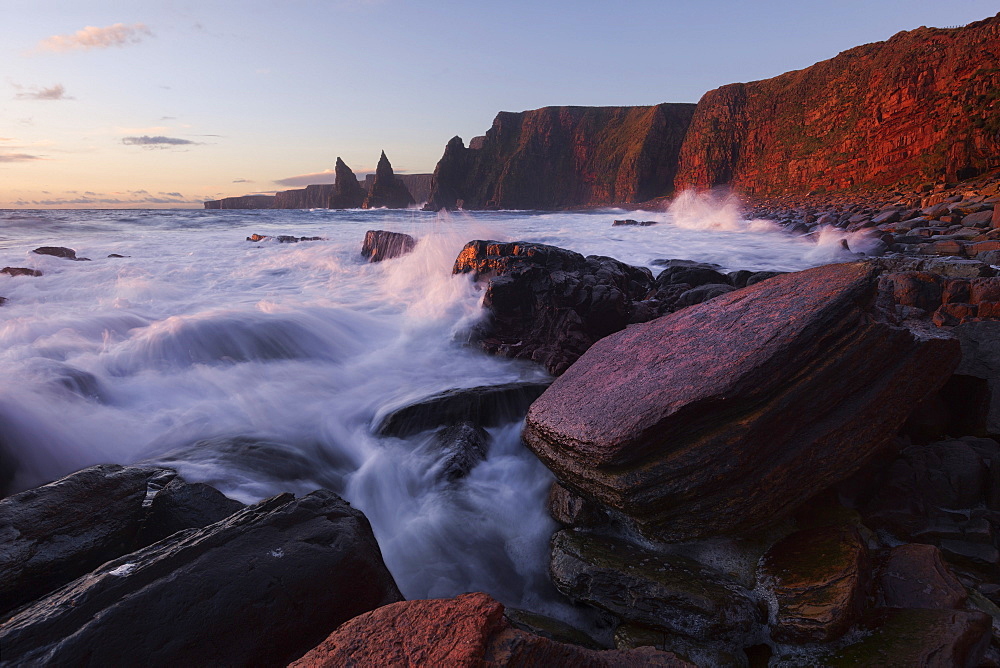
point(725, 416)
point(468, 631)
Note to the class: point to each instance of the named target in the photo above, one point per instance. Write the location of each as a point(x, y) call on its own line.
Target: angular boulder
point(915, 576)
point(462, 446)
point(666, 592)
point(549, 304)
point(981, 359)
point(465, 632)
point(259, 588)
point(387, 191)
point(57, 532)
point(382, 245)
point(58, 251)
point(725, 416)
point(817, 581)
point(20, 271)
point(347, 192)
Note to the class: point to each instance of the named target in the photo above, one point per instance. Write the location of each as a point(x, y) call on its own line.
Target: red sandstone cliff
point(921, 106)
point(564, 156)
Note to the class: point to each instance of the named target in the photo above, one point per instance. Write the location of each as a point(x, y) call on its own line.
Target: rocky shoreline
point(751, 469)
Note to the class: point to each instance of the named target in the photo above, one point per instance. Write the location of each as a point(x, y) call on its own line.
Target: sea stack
point(387, 191)
point(347, 192)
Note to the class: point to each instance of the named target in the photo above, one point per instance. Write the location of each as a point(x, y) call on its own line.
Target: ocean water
point(261, 367)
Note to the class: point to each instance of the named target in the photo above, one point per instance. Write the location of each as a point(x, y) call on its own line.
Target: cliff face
point(310, 197)
point(921, 106)
point(244, 202)
point(564, 156)
point(419, 185)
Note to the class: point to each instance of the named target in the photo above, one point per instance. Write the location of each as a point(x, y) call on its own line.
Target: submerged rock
point(666, 592)
point(463, 446)
point(631, 222)
point(282, 238)
point(468, 630)
point(20, 271)
point(387, 191)
point(382, 245)
point(724, 417)
point(60, 531)
point(486, 406)
point(258, 588)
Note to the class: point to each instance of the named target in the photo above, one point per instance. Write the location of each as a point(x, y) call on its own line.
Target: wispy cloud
point(57, 92)
point(159, 141)
point(18, 157)
point(326, 176)
point(93, 37)
point(96, 199)
point(242, 181)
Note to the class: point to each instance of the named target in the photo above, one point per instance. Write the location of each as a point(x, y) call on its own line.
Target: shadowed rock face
point(564, 156)
point(347, 192)
point(387, 191)
point(260, 587)
point(384, 245)
point(468, 630)
point(918, 107)
point(723, 417)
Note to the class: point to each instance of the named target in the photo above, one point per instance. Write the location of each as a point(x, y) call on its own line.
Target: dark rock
point(59, 251)
point(981, 359)
point(995, 222)
point(382, 245)
point(282, 239)
point(315, 196)
point(724, 417)
point(698, 652)
point(738, 279)
point(693, 275)
point(387, 191)
point(347, 192)
point(702, 293)
point(901, 638)
point(243, 202)
point(60, 531)
point(463, 446)
point(486, 406)
point(637, 223)
point(116, 255)
point(558, 157)
point(258, 588)
point(468, 630)
point(548, 304)
point(661, 591)
point(818, 581)
point(919, 289)
point(570, 509)
point(759, 276)
point(20, 271)
point(947, 267)
point(979, 219)
point(915, 576)
point(550, 628)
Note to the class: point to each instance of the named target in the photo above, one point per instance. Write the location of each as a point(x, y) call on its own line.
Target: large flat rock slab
point(725, 416)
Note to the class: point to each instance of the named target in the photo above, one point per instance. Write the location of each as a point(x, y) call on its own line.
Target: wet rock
point(468, 630)
point(548, 304)
point(60, 531)
point(59, 251)
point(570, 509)
point(486, 406)
point(948, 267)
point(724, 417)
point(818, 581)
point(981, 359)
point(387, 191)
point(661, 591)
point(703, 293)
point(20, 271)
point(919, 289)
point(700, 653)
point(631, 222)
point(463, 446)
point(116, 255)
point(347, 192)
point(759, 276)
point(282, 238)
point(550, 628)
point(382, 245)
point(258, 588)
point(694, 275)
point(915, 576)
point(906, 638)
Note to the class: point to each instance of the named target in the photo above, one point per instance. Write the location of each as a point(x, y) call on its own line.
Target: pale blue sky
point(264, 90)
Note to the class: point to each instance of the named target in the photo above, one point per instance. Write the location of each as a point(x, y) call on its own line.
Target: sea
point(261, 367)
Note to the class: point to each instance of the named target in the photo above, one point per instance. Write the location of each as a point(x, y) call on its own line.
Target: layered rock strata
point(725, 416)
point(386, 190)
point(921, 106)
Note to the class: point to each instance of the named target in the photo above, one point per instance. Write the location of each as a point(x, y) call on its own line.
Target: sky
point(152, 104)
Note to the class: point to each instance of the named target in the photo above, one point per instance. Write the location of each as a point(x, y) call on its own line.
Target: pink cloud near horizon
point(93, 37)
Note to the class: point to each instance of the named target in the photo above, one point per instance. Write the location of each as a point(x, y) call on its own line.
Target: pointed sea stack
point(387, 191)
point(446, 184)
point(347, 192)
